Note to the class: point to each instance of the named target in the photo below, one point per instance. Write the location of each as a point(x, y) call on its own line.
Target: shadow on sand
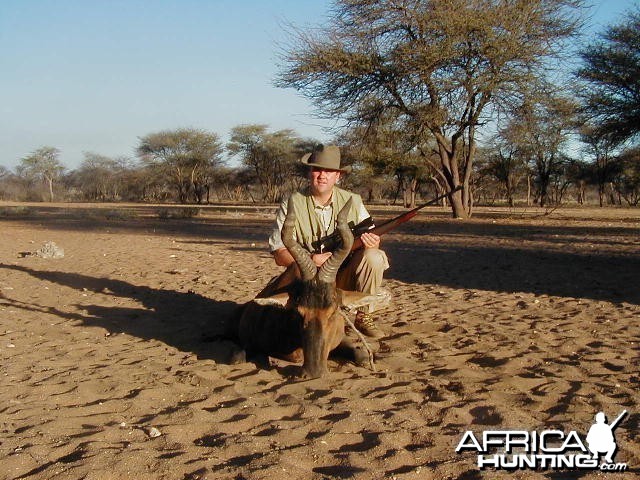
point(187, 321)
point(541, 272)
point(517, 267)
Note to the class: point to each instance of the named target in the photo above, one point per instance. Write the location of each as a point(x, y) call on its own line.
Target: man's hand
point(320, 258)
point(370, 240)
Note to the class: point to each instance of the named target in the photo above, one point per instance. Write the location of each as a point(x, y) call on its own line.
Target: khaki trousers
point(361, 273)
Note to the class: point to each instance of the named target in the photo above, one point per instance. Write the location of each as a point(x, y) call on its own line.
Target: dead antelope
point(308, 325)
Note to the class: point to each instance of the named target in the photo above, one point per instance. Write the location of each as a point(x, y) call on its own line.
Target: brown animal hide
point(310, 325)
point(271, 328)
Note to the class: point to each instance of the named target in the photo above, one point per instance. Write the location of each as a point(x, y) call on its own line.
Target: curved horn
point(308, 269)
point(329, 269)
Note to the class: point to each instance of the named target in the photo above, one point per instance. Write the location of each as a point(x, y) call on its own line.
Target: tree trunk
point(50, 182)
point(509, 190)
point(439, 191)
point(395, 198)
point(612, 198)
point(544, 189)
point(457, 205)
point(449, 164)
point(182, 195)
point(410, 194)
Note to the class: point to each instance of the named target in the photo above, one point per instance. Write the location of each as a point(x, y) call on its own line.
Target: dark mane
point(313, 294)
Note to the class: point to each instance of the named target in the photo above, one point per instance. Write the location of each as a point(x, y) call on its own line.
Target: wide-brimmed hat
point(325, 157)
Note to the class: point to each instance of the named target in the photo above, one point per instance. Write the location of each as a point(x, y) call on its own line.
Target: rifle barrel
point(617, 420)
point(414, 211)
point(388, 225)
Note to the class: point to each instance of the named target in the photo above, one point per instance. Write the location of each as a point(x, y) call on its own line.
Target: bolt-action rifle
point(333, 241)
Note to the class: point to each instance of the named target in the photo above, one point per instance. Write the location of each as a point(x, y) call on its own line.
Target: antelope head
point(315, 296)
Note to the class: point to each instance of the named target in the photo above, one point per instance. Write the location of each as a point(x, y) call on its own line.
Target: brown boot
point(364, 323)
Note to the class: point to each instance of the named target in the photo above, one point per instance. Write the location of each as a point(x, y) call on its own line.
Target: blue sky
point(89, 75)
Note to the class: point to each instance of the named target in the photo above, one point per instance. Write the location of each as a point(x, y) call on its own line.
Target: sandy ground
point(111, 368)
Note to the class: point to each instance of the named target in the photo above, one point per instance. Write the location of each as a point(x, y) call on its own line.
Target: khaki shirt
point(315, 221)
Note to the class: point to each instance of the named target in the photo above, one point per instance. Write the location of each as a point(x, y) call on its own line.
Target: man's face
point(322, 181)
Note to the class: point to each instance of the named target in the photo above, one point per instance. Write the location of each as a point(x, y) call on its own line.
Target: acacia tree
point(99, 177)
point(7, 184)
point(601, 149)
point(540, 130)
point(503, 162)
point(187, 156)
point(438, 65)
point(43, 164)
point(611, 76)
point(627, 178)
point(384, 151)
point(270, 156)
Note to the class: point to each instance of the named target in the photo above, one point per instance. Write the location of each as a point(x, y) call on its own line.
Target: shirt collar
point(328, 205)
